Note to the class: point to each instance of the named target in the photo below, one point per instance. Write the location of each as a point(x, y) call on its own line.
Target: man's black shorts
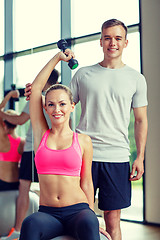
point(112, 179)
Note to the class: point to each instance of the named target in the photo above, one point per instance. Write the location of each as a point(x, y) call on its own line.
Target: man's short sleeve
point(140, 96)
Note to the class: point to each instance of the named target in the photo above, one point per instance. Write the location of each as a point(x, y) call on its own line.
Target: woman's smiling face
point(58, 105)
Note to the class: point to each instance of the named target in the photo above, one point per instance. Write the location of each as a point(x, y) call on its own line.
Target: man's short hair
point(111, 23)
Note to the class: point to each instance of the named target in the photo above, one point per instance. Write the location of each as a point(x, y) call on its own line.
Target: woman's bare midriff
point(60, 191)
point(9, 171)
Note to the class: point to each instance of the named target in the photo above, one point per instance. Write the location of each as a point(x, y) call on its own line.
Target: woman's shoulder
point(85, 144)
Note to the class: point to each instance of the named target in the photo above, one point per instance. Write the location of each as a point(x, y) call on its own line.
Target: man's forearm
point(141, 129)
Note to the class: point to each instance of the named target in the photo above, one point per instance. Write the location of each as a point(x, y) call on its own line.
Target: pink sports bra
point(12, 155)
point(66, 162)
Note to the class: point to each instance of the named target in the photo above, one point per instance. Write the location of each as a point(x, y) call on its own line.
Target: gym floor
point(136, 231)
point(133, 231)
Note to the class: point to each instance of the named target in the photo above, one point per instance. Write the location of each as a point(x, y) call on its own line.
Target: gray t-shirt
point(29, 136)
point(107, 96)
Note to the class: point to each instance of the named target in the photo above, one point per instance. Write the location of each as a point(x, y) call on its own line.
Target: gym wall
point(151, 70)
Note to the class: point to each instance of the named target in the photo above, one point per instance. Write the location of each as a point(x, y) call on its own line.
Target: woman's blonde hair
point(12, 113)
point(61, 87)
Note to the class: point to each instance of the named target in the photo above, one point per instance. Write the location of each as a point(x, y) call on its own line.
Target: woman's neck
point(61, 130)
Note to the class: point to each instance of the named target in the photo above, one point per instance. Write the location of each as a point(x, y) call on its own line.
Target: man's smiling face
point(113, 41)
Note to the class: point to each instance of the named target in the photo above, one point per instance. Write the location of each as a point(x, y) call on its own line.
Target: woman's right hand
point(15, 94)
point(62, 56)
point(66, 55)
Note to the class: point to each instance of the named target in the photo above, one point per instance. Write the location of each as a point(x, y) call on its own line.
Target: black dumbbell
point(63, 45)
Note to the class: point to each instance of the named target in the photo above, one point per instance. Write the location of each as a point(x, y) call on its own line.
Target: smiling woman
point(63, 159)
point(57, 105)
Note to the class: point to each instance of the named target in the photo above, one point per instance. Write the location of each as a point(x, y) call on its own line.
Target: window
point(1, 48)
point(36, 23)
point(27, 67)
point(1, 80)
point(2, 27)
point(88, 16)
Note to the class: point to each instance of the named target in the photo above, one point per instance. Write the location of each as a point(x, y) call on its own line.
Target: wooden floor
point(136, 231)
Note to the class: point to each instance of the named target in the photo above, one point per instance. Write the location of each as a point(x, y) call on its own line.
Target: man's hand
point(101, 230)
point(139, 167)
point(28, 91)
